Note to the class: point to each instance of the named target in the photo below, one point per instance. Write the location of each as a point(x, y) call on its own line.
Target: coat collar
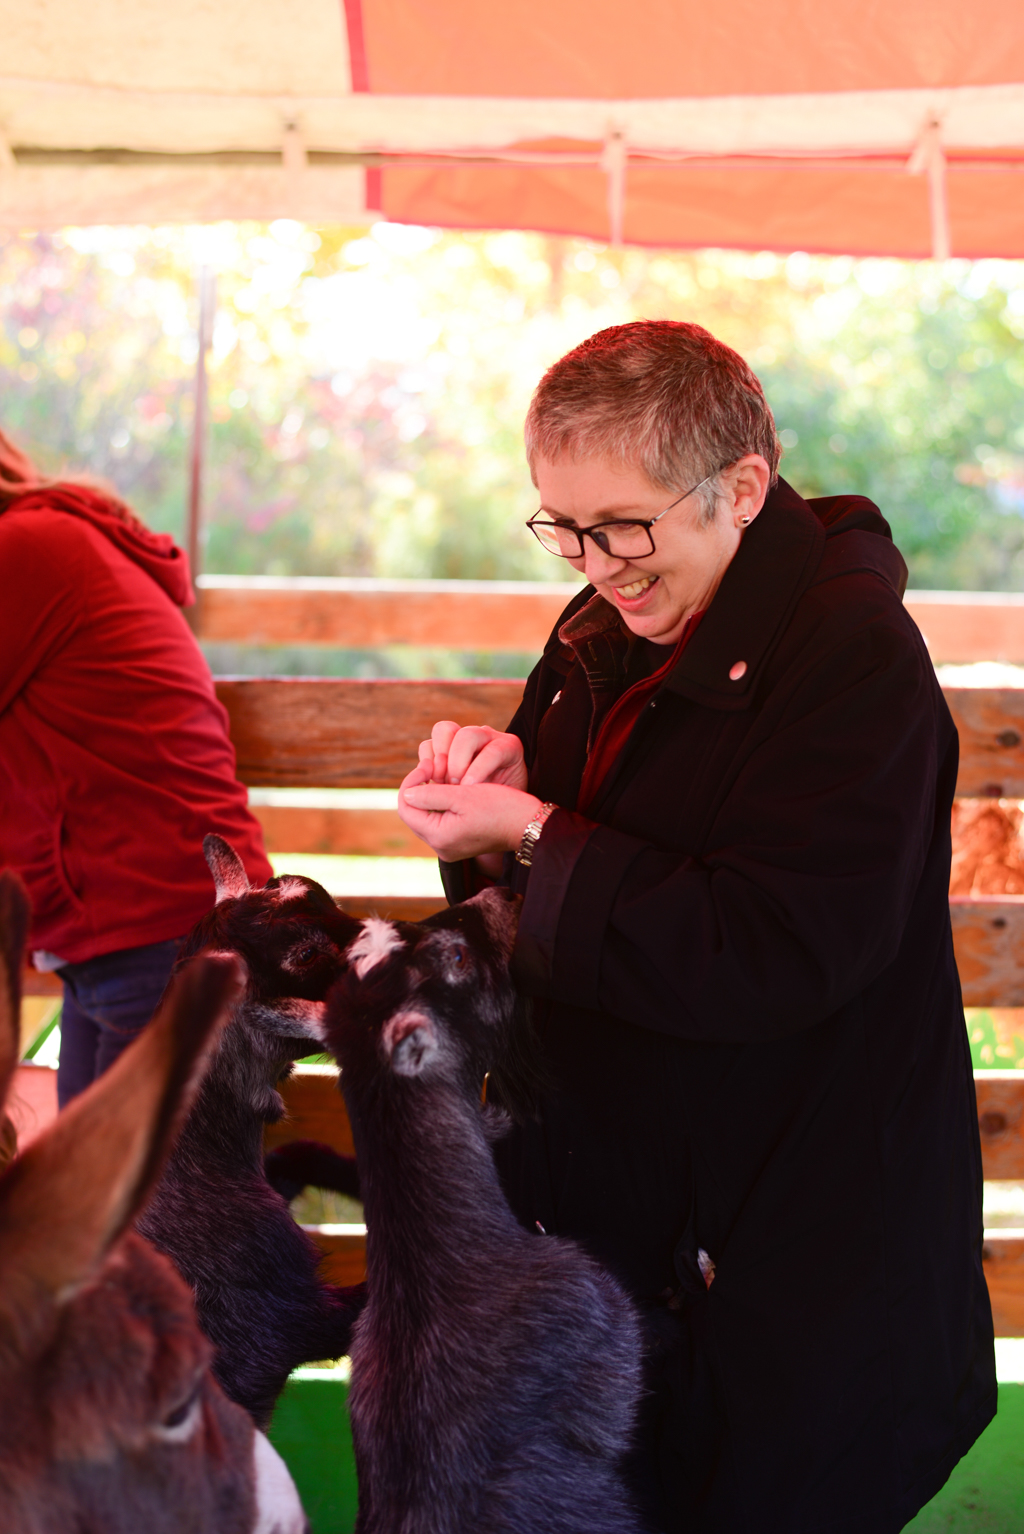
point(773, 567)
point(793, 544)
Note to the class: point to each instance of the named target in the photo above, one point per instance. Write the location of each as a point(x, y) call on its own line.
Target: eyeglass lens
point(622, 540)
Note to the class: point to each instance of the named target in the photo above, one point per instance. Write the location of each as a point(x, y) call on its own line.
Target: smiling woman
point(725, 800)
point(657, 587)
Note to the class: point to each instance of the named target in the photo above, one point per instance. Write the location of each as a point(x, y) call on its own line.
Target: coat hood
point(156, 553)
point(793, 544)
point(843, 514)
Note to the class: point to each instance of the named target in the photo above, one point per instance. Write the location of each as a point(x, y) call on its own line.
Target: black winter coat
point(755, 1032)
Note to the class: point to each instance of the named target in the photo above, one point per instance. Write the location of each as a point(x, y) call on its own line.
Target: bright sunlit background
point(368, 386)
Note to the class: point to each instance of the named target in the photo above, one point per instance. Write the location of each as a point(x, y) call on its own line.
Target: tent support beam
point(929, 159)
point(614, 160)
point(966, 162)
point(206, 283)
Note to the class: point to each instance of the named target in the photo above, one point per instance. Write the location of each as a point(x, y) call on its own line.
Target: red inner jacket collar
point(618, 722)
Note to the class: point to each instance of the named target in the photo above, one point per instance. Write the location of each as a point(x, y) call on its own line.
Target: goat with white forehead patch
point(495, 1371)
point(253, 1270)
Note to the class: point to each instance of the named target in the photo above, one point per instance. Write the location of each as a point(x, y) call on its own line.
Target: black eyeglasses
point(627, 539)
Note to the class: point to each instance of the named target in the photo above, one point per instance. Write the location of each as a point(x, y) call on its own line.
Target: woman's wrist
point(532, 833)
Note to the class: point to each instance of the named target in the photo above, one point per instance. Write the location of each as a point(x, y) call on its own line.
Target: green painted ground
point(310, 1431)
point(984, 1495)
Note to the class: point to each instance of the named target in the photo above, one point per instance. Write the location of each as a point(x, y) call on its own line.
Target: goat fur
point(495, 1371)
point(252, 1269)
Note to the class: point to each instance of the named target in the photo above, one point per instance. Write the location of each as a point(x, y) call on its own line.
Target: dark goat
point(253, 1271)
point(302, 1164)
point(495, 1372)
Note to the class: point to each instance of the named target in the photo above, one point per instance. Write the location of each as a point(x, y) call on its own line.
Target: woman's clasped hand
point(466, 797)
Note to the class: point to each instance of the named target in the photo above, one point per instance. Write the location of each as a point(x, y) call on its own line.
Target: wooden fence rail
point(988, 940)
point(328, 733)
point(316, 1111)
point(347, 734)
point(372, 614)
point(517, 615)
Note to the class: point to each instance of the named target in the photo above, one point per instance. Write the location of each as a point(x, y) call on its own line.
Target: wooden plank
point(33, 983)
point(348, 734)
point(353, 833)
point(378, 832)
point(316, 1111)
point(392, 907)
point(1003, 1258)
point(1002, 1255)
point(363, 734)
point(372, 614)
point(344, 1249)
point(987, 939)
point(961, 627)
point(1001, 1122)
point(990, 722)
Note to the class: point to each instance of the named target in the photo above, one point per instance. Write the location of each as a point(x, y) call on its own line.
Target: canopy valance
point(864, 128)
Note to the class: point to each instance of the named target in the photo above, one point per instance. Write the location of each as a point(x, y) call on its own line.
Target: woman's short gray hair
point(659, 395)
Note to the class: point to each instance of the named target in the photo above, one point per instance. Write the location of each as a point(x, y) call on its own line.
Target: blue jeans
point(107, 1001)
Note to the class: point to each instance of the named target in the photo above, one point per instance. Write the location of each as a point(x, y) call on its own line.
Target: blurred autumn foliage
point(368, 387)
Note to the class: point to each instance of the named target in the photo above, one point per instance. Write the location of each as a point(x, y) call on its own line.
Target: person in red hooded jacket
point(114, 755)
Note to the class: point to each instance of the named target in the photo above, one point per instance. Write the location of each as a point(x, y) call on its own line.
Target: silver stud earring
point(744, 521)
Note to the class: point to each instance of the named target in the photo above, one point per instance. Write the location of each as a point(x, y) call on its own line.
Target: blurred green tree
point(367, 388)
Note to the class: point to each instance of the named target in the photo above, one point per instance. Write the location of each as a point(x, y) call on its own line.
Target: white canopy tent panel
point(205, 109)
point(224, 47)
point(79, 152)
point(53, 197)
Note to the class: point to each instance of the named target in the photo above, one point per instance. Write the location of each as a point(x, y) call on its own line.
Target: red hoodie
point(114, 752)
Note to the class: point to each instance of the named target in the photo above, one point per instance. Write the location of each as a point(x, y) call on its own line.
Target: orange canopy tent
point(856, 127)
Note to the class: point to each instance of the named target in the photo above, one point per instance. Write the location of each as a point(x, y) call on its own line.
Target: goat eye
point(459, 957)
point(306, 955)
point(179, 1425)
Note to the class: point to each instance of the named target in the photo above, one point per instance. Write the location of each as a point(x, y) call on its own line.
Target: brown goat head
point(110, 1421)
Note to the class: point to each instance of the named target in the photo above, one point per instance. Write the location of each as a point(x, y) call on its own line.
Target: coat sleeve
point(807, 879)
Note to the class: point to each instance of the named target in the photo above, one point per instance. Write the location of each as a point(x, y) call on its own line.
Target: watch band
point(531, 835)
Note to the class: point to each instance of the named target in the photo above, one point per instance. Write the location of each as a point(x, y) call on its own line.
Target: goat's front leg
point(329, 1334)
point(310, 1164)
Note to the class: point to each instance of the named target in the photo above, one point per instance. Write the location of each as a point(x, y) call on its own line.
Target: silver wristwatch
point(531, 835)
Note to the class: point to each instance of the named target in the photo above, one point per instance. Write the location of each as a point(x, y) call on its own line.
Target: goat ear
point(14, 916)
point(229, 875)
point(409, 1040)
point(75, 1190)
